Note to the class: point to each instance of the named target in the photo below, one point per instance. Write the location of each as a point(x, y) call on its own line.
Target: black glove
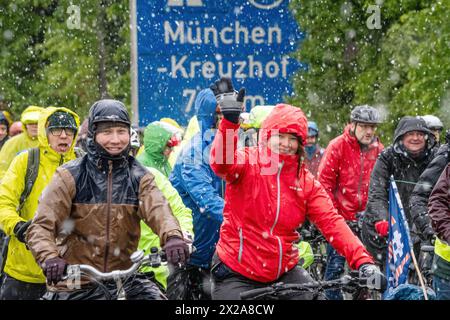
point(54, 269)
point(177, 250)
point(231, 103)
point(428, 234)
point(223, 85)
point(372, 277)
point(20, 230)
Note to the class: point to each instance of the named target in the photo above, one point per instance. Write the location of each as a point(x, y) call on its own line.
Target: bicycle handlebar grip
point(427, 248)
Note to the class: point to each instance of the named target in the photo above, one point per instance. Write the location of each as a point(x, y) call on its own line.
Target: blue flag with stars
point(399, 243)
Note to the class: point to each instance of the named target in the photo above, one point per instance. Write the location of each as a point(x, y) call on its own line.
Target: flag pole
point(413, 256)
point(422, 283)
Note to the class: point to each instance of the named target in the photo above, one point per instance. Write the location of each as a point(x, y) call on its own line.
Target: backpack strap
point(30, 176)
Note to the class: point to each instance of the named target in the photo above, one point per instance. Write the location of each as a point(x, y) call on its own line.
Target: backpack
point(30, 179)
point(30, 176)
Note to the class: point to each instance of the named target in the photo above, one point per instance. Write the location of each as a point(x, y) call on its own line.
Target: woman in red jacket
point(269, 194)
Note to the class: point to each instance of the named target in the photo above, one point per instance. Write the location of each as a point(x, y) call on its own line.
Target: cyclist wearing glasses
point(91, 211)
point(57, 127)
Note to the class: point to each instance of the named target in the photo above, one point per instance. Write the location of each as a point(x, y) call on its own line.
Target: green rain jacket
point(184, 215)
point(155, 140)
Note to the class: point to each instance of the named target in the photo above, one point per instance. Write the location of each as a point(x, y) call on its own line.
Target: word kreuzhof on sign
point(185, 45)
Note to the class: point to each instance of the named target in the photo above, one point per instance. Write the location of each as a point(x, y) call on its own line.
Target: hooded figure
point(198, 186)
point(191, 129)
point(406, 166)
point(269, 194)
point(105, 194)
point(202, 192)
point(21, 141)
point(157, 136)
point(20, 263)
point(4, 128)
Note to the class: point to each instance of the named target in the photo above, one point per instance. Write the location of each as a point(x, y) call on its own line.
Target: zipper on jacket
point(241, 245)
point(109, 199)
point(358, 195)
point(61, 160)
point(280, 259)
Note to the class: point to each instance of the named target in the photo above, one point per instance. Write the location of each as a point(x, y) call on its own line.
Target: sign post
point(185, 45)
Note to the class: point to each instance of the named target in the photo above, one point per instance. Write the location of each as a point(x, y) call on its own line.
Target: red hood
point(286, 119)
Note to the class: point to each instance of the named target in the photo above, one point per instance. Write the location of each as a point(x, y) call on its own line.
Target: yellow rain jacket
point(20, 263)
point(20, 142)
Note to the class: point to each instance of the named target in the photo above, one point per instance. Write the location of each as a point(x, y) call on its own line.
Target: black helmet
point(365, 114)
point(62, 119)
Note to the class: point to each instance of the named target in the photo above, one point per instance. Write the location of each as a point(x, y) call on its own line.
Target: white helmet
point(433, 122)
point(134, 139)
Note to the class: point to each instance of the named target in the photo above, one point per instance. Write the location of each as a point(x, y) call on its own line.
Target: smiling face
point(113, 139)
point(284, 143)
point(414, 141)
point(60, 139)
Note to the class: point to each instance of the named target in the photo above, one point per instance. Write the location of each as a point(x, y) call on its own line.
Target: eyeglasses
point(57, 131)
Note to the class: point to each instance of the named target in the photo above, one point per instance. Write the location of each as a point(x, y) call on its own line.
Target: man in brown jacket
point(91, 210)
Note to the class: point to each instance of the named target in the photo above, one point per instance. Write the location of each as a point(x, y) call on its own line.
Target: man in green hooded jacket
point(159, 140)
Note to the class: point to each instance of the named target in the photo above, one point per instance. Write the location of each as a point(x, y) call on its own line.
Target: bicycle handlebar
point(346, 280)
point(154, 260)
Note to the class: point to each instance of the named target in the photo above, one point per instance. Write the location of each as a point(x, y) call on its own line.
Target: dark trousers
point(227, 285)
point(334, 270)
point(442, 288)
point(188, 283)
point(13, 289)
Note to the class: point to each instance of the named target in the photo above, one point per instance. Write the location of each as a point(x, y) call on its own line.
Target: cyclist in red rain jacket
point(269, 194)
point(344, 171)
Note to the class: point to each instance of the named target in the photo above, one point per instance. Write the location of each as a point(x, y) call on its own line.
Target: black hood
point(408, 124)
point(106, 111)
point(3, 120)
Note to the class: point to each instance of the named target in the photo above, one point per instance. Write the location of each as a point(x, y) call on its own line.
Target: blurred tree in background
point(401, 66)
point(47, 59)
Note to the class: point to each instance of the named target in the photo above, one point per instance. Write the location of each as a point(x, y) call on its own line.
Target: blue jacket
point(201, 190)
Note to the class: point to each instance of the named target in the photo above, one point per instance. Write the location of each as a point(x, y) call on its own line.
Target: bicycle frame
point(154, 259)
